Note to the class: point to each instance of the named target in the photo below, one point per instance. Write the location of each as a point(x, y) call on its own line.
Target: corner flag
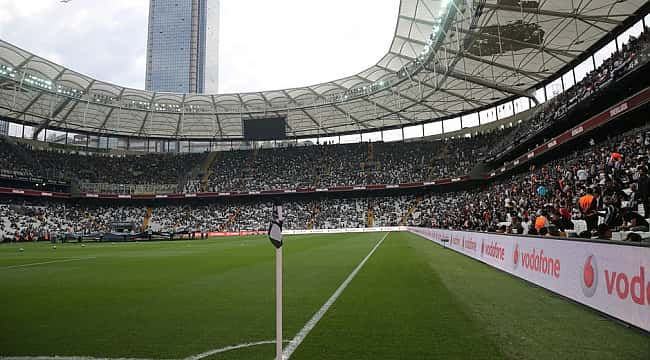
point(275, 227)
point(275, 235)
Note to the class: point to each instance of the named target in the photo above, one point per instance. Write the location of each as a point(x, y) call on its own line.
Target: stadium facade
point(183, 46)
point(452, 66)
point(565, 92)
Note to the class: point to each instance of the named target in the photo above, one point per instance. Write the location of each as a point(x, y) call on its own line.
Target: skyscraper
point(178, 42)
point(212, 48)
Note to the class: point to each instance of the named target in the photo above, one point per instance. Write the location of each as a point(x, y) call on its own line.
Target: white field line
point(44, 263)
point(193, 357)
point(297, 340)
point(228, 348)
point(56, 357)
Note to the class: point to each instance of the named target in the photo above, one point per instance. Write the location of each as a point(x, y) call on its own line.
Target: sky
point(264, 45)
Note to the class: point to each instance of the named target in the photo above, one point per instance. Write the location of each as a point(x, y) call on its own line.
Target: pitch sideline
point(298, 339)
point(200, 356)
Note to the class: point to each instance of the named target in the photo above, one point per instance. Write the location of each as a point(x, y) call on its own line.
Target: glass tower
point(176, 45)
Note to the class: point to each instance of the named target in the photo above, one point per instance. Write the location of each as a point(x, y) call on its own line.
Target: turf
point(412, 300)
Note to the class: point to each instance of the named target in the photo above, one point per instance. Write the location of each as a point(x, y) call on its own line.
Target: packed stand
point(22, 159)
point(594, 192)
point(29, 220)
point(346, 164)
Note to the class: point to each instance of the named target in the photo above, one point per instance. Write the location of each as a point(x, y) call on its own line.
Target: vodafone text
point(494, 250)
point(537, 262)
point(625, 287)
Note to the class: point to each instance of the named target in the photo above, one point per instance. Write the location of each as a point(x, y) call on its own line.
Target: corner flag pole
point(278, 303)
point(275, 235)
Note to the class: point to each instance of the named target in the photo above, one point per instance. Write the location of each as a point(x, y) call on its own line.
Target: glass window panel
point(329, 140)
point(411, 132)
point(539, 95)
point(155, 146)
point(505, 110)
point(103, 142)
point(603, 54)
point(371, 136)
point(309, 141)
point(200, 146)
point(433, 128)
point(77, 139)
point(15, 130)
point(633, 31)
point(221, 146)
point(350, 139)
point(488, 116)
point(55, 136)
point(522, 104)
point(185, 146)
point(172, 146)
point(470, 120)
point(28, 131)
point(4, 127)
point(554, 89)
point(451, 125)
point(392, 135)
point(567, 80)
point(93, 141)
point(138, 145)
point(584, 68)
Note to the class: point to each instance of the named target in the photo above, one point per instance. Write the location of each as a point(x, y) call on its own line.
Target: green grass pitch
point(172, 300)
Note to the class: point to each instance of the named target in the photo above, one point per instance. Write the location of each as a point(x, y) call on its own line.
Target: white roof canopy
point(481, 52)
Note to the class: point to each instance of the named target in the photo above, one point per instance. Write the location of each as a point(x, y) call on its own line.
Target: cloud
point(263, 45)
point(102, 39)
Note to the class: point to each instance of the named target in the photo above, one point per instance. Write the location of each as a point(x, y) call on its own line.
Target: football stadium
point(480, 192)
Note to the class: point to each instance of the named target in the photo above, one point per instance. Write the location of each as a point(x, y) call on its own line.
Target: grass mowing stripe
point(297, 340)
point(398, 308)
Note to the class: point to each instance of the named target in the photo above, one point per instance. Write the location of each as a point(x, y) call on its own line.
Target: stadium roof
point(447, 57)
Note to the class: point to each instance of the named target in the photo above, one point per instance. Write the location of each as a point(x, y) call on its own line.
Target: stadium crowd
point(633, 54)
point(594, 192)
point(606, 186)
point(34, 220)
point(347, 164)
point(24, 160)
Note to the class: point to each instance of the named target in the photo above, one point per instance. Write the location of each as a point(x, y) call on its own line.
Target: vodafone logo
point(627, 287)
point(494, 250)
point(589, 280)
point(536, 262)
point(457, 241)
point(469, 244)
point(515, 256)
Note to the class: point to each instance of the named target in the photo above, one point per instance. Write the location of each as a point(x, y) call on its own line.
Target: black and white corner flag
point(275, 235)
point(275, 227)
